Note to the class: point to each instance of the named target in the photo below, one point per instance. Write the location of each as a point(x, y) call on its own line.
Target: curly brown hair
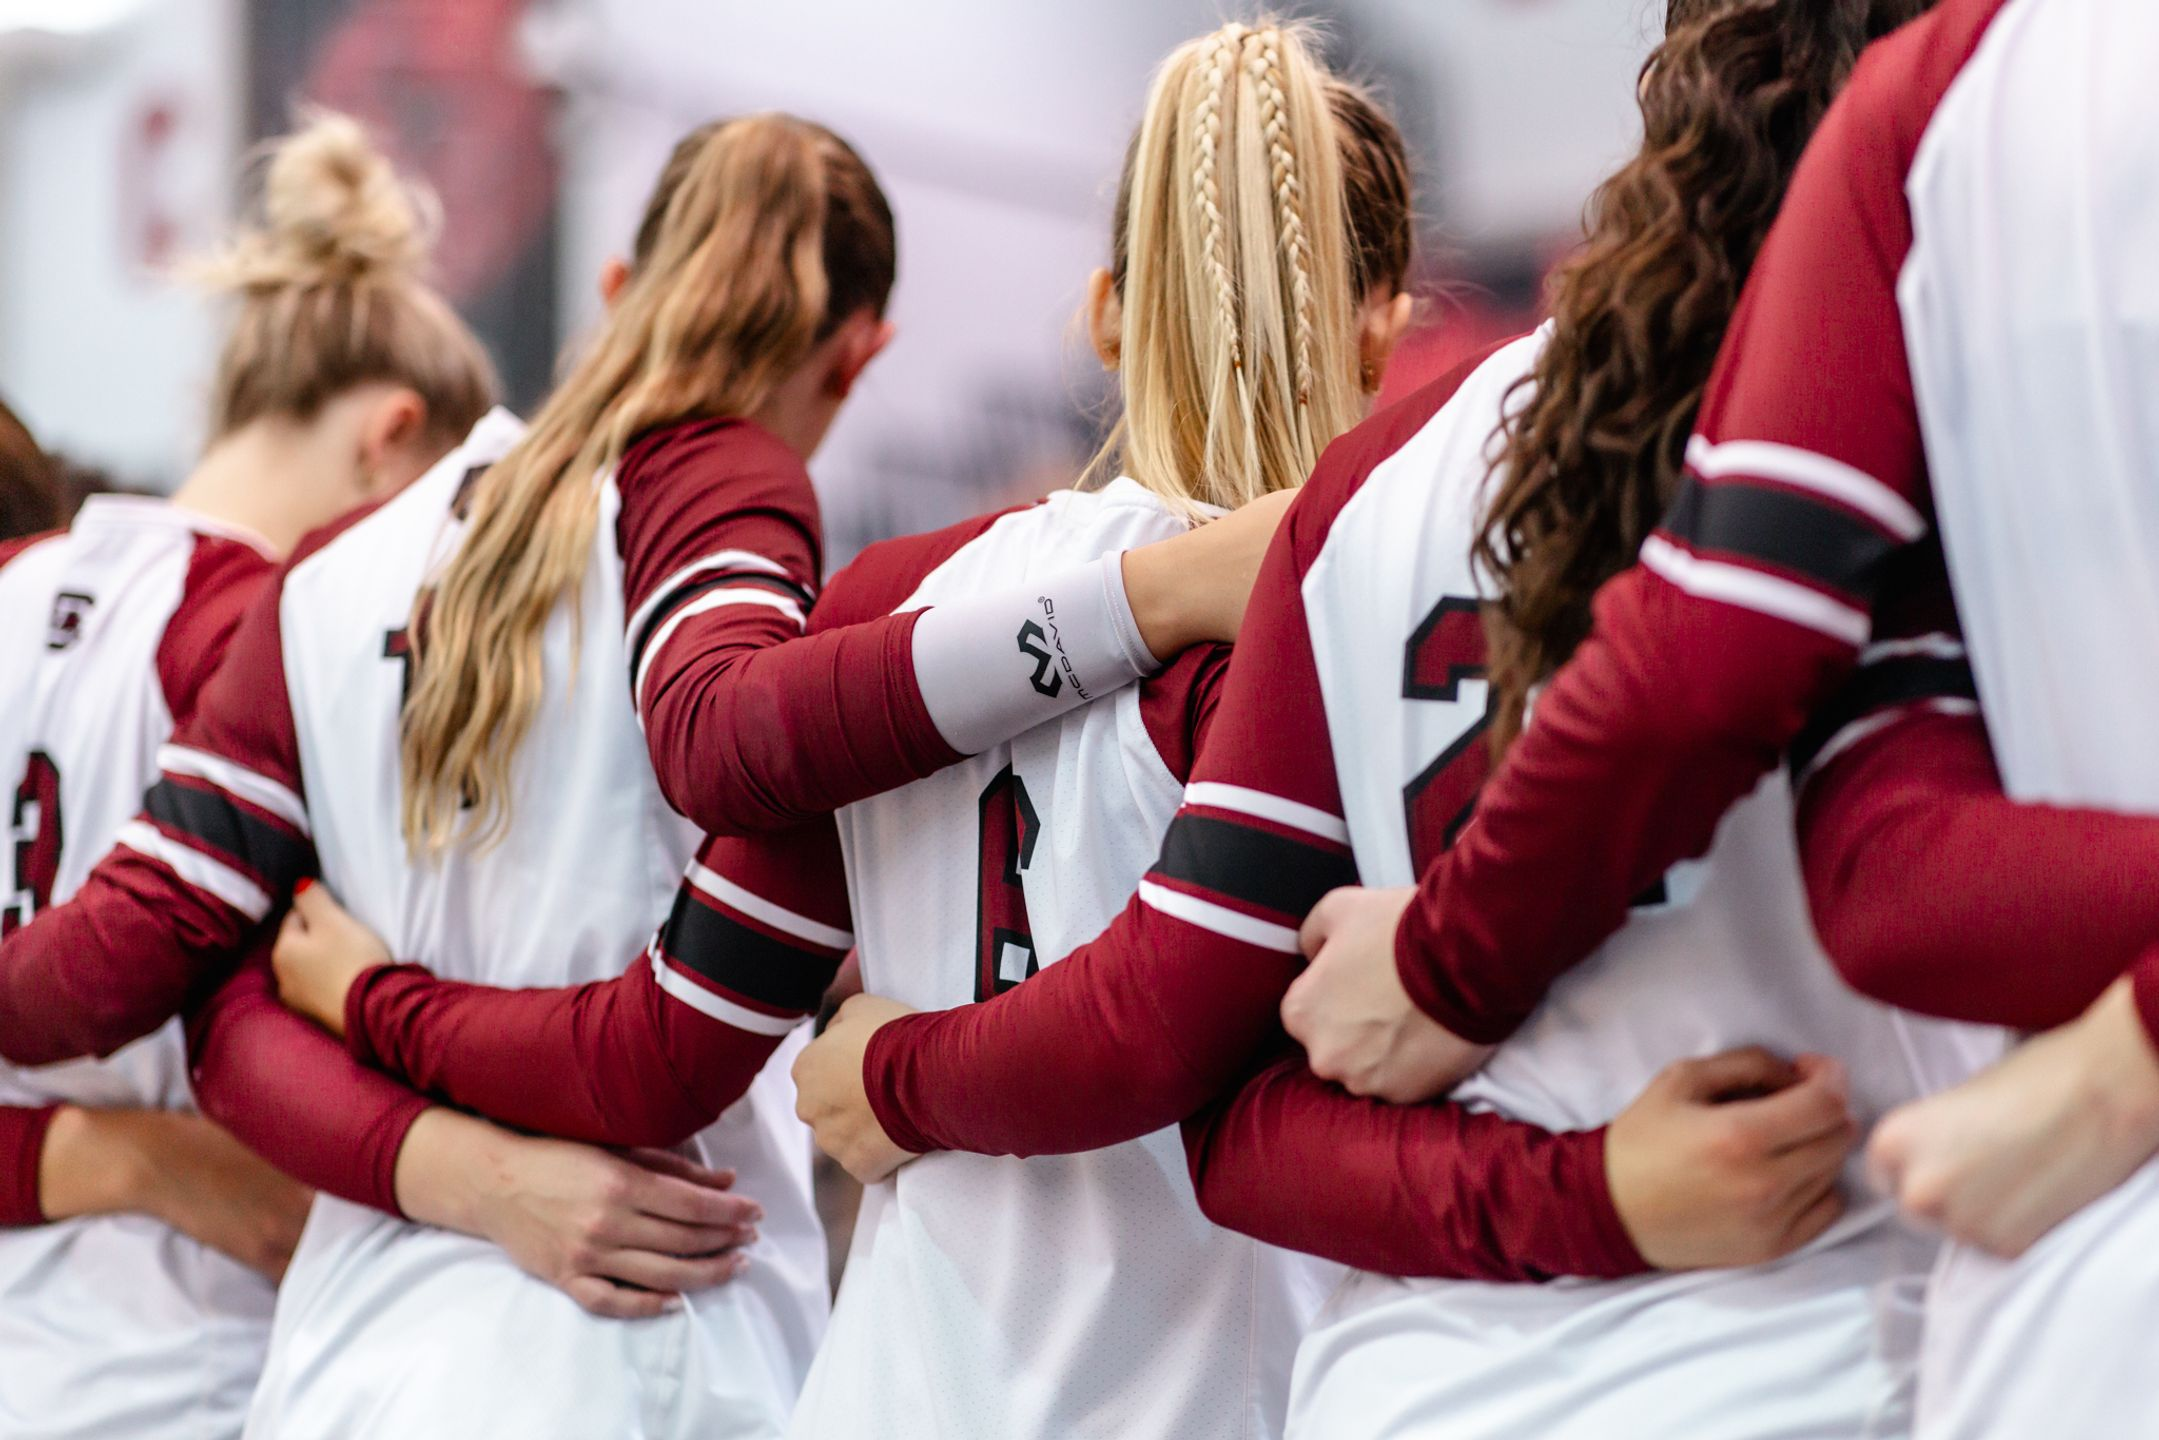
point(29, 484)
point(1590, 462)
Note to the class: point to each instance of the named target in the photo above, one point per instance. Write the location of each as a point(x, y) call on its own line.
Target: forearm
point(1935, 892)
point(289, 1092)
point(129, 951)
point(1423, 1190)
point(628, 1065)
point(1672, 712)
point(1115, 1041)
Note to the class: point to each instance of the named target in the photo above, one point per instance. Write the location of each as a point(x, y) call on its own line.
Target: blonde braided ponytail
point(1240, 261)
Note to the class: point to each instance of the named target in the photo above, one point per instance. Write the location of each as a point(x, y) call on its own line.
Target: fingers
point(670, 1274)
point(1324, 920)
point(672, 1237)
point(1714, 1078)
point(1797, 1115)
point(667, 1197)
point(610, 1301)
point(1816, 1216)
point(667, 1162)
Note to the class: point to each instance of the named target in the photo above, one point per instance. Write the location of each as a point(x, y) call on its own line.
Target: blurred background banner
point(998, 127)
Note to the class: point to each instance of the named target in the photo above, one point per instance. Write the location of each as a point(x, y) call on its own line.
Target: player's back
point(2030, 315)
point(386, 1327)
point(1720, 955)
point(97, 623)
point(1067, 1295)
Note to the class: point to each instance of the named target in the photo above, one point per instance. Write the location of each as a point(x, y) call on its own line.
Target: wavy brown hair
point(29, 483)
point(1591, 459)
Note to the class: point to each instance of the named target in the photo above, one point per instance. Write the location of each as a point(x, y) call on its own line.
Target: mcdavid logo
point(1047, 681)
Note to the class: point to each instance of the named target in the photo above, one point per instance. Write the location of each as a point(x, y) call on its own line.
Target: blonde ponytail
point(763, 235)
point(330, 291)
point(1262, 199)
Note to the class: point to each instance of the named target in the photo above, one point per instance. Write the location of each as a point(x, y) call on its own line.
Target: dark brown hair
point(29, 488)
point(1592, 459)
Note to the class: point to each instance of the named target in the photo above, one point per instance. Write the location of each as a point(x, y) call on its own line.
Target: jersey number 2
point(1004, 942)
point(34, 830)
point(1446, 649)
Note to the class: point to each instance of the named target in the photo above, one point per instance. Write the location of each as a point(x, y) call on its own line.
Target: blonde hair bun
point(334, 212)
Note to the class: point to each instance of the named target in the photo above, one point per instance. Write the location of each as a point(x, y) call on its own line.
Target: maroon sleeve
point(288, 1091)
point(1414, 1190)
point(1935, 892)
point(1806, 489)
point(222, 839)
point(223, 578)
point(752, 724)
point(22, 1153)
point(654, 1055)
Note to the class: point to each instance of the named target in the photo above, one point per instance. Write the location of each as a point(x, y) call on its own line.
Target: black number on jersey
point(1004, 941)
point(1446, 649)
point(34, 826)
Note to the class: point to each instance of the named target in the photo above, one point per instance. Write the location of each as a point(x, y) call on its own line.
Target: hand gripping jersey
point(111, 1327)
point(1720, 954)
point(1075, 1295)
point(2031, 322)
point(387, 1328)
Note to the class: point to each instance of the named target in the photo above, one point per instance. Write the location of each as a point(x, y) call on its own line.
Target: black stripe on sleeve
point(1257, 867)
point(274, 855)
point(748, 962)
point(1790, 531)
point(690, 590)
point(1885, 685)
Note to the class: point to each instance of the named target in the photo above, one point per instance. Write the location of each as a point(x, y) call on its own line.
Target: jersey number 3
point(34, 830)
point(1004, 942)
point(1445, 650)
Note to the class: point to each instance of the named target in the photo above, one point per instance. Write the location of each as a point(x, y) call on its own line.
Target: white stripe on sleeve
point(1758, 591)
point(802, 927)
point(1219, 918)
point(197, 869)
point(718, 560)
point(1805, 470)
point(704, 1002)
point(713, 600)
point(237, 781)
point(1216, 795)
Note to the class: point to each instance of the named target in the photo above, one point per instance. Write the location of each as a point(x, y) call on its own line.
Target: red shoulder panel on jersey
point(10, 549)
point(223, 577)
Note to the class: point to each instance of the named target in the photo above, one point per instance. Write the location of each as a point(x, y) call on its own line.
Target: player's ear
point(614, 274)
point(1105, 318)
point(393, 430)
point(1382, 323)
point(862, 338)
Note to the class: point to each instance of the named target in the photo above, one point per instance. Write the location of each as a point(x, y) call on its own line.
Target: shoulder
point(880, 579)
point(1351, 460)
point(12, 550)
point(224, 577)
point(1898, 85)
point(757, 470)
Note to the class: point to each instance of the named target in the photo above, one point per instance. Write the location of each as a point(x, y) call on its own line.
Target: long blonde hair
point(330, 291)
point(1262, 199)
point(762, 236)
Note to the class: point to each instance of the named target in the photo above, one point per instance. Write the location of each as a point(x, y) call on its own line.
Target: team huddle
point(1598, 900)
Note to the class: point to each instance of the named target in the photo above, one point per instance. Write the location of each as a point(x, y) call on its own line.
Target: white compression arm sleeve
point(994, 667)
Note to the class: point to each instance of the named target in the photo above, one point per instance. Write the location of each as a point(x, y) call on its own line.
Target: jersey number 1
point(1004, 941)
point(1446, 649)
point(34, 829)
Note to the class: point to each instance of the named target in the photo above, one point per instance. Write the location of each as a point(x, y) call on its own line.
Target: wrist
point(448, 1168)
point(879, 1058)
point(2122, 1076)
point(96, 1162)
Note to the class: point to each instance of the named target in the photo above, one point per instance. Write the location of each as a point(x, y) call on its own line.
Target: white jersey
point(1821, 1343)
point(390, 1329)
point(1059, 1296)
point(117, 1327)
point(2030, 306)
